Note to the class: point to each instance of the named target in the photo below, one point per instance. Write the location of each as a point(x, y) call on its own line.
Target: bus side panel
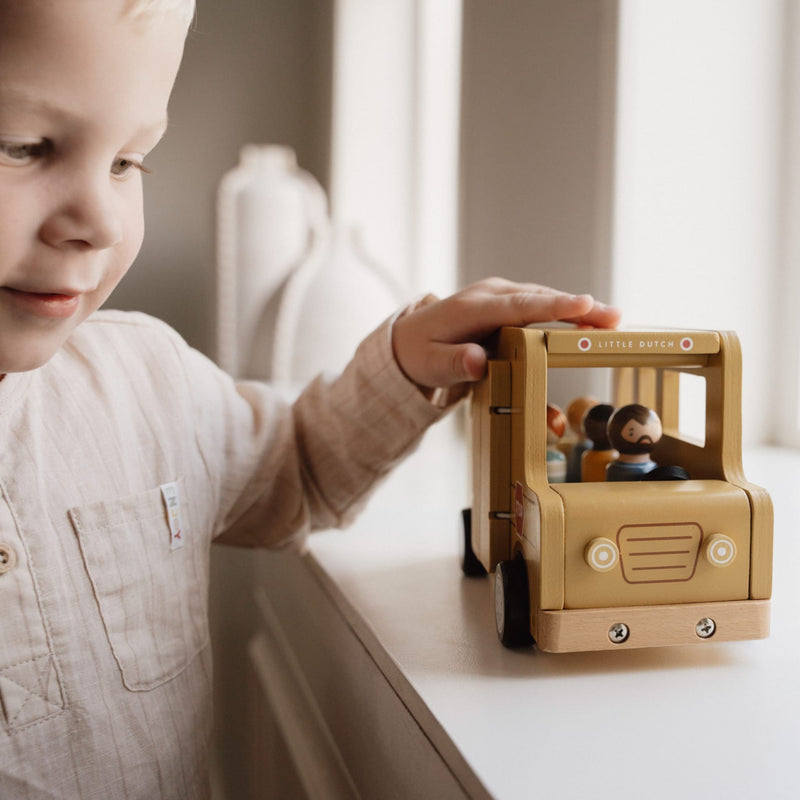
point(760, 542)
point(729, 385)
point(542, 538)
point(491, 437)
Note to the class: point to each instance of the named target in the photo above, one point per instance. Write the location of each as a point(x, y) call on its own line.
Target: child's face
point(83, 98)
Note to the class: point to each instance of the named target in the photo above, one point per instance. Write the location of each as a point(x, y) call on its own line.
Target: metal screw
point(618, 632)
point(706, 628)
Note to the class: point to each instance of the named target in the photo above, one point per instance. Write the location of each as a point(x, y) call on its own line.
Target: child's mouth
point(44, 304)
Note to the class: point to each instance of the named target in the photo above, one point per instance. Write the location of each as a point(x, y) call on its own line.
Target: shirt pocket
point(152, 595)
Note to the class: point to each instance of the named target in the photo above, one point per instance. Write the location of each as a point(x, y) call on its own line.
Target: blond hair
point(139, 8)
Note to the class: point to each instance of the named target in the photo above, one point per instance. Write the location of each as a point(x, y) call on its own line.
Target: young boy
point(124, 451)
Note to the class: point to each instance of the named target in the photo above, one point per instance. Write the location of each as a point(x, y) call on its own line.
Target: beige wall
point(254, 71)
point(537, 141)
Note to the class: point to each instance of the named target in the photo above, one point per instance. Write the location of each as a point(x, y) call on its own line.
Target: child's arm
point(437, 344)
point(282, 471)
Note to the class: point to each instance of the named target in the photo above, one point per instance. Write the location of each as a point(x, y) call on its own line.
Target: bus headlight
point(601, 554)
point(719, 550)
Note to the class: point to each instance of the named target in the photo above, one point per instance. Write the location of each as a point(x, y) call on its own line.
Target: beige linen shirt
point(122, 459)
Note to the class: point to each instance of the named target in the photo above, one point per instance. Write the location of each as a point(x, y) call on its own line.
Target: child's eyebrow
point(22, 100)
point(19, 99)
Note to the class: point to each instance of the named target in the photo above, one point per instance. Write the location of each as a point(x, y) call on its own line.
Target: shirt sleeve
point(283, 470)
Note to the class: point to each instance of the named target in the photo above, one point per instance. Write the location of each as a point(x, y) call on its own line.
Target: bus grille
point(662, 553)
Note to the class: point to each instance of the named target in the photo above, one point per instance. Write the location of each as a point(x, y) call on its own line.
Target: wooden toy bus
point(613, 565)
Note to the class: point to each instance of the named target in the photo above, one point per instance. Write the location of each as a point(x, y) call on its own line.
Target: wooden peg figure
point(600, 454)
point(576, 412)
point(634, 430)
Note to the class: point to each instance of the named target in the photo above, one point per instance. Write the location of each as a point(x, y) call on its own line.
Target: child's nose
point(86, 215)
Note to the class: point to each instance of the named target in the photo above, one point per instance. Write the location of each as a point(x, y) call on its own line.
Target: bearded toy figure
point(633, 431)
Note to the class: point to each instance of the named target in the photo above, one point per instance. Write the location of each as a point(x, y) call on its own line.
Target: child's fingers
point(474, 315)
point(599, 316)
point(447, 365)
point(438, 343)
point(547, 306)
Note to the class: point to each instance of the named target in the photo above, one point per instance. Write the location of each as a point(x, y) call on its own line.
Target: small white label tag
point(172, 500)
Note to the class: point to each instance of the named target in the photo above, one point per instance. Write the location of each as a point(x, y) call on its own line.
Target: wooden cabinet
point(327, 721)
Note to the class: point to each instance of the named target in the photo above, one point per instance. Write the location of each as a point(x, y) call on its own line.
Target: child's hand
point(438, 343)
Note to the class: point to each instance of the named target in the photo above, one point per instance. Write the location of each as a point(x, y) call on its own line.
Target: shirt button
point(8, 558)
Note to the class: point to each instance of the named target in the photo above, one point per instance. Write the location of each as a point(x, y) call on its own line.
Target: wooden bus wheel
point(512, 603)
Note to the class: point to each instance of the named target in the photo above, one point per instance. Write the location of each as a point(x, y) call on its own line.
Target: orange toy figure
point(556, 460)
point(600, 454)
point(576, 412)
point(634, 430)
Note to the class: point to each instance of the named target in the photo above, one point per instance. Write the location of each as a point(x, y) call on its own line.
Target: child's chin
point(25, 362)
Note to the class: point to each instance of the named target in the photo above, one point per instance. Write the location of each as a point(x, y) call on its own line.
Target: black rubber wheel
point(470, 564)
point(512, 604)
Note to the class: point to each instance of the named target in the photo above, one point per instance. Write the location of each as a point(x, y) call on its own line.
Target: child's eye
point(123, 165)
point(20, 153)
